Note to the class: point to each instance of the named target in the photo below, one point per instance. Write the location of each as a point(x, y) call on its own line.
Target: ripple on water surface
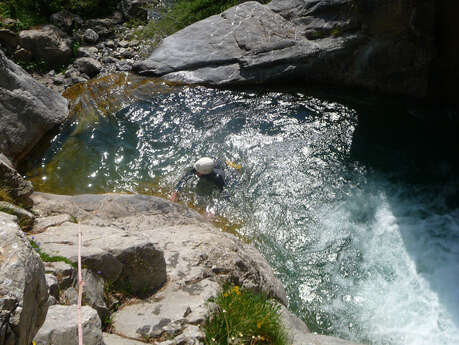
point(364, 252)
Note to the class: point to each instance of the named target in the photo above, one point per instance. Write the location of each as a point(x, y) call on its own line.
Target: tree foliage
point(32, 12)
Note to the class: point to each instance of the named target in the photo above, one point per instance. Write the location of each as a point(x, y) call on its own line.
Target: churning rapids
point(352, 199)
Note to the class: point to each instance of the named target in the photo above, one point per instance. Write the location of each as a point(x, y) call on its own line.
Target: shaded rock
point(69, 296)
point(9, 38)
point(53, 285)
point(23, 289)
point(66, 20)
point(22, 54)
point(343, 42)
point(130, 261)
point(48, 43)
point(90, 36)
point(18, 189)
point(87, 52)
point(28, 110)
point(110, 44)
point(93, 292)
point(64, 273)
point(124, 66)
point(61, 326)
point(137, 9)
point(104, 27)
point(87, 65)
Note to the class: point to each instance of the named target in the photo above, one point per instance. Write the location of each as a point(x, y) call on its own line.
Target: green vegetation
point(34, 12)
point(5, 194)
point(47, 258)
point(244, 318)
point(184, 13)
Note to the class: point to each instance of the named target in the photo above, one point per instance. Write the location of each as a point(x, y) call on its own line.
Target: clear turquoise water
point(352, 199)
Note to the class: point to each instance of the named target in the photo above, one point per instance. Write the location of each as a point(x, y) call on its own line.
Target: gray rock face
point(129, 261)
point(47, 222)
point(113, 339)
point(66, 20)
point(88, 66)
point(376, 45)
point(48, 43)
point(28, 110)
point(23, 289)
point(199, 258)
point(18, 188)
point(61, 327)
point(90, 36)
point(135, 8)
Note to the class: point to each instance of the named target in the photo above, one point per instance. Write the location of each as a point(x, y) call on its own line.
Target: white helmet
point(204, 165)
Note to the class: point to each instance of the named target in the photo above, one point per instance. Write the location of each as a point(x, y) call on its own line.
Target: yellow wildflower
point(259, 323)
point(236, 290)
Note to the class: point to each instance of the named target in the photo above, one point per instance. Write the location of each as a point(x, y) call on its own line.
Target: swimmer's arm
point(181, 183)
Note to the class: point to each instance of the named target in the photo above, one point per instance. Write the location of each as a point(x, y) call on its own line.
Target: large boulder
point(23, 290)
point(131, 262)
point(66, 21)
point(199, 258)
point(48, 43)
point(9, 38)
point(137, 9)
point(381, 45)
point(28, 110)
point(61, 327)
point(88, 66)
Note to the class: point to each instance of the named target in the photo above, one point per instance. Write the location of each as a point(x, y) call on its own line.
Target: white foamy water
point(409, 259)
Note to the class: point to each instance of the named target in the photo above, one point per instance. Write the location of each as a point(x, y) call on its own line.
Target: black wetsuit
point(217, 176)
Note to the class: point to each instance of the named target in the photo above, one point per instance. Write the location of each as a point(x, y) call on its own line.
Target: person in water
point(205, 168)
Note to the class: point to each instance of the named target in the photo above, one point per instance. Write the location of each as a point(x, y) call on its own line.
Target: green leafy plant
point(244, 318)
point(75, 47)
point(48, 258)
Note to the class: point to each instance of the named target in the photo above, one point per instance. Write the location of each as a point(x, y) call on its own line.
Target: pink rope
point(80, 290)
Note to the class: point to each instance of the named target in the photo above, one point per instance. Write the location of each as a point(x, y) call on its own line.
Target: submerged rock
point(23, 289)
point(377, 45)
point(28, 110)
